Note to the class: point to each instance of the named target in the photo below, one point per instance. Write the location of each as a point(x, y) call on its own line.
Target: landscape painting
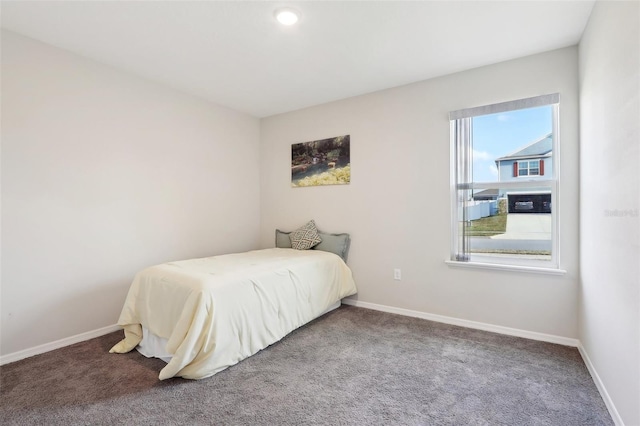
point(321, 162)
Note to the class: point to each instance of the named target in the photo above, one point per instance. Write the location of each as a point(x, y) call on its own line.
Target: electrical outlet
point(397, 274)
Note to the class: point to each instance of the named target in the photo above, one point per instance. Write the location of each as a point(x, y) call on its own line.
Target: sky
point(497, 135)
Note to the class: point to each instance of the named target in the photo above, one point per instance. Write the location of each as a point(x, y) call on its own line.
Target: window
point(504, 183)
point(527, 168)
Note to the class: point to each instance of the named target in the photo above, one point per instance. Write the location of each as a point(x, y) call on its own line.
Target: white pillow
point(305, 237)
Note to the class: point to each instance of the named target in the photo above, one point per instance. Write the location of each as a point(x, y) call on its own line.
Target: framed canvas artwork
point(321, 162)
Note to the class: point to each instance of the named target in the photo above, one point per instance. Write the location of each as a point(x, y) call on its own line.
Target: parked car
point(534, 202)
point(524, 205)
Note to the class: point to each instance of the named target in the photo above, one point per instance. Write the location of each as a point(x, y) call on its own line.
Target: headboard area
point(333, 243)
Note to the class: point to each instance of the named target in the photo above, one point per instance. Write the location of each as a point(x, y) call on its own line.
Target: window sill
point(511, 268)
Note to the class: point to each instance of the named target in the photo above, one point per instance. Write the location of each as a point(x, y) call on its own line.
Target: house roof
point(487, 193)
point(540, 148)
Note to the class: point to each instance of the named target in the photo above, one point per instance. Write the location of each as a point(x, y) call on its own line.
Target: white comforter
point(216, 311)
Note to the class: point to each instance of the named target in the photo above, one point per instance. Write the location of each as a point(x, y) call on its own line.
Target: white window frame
point(461, 130)
point(528, 167)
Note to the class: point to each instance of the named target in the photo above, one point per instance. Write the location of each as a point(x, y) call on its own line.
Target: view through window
point(504, 183)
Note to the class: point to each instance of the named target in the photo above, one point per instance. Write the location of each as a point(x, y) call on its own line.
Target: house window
point(527, 168)
point(504, 183)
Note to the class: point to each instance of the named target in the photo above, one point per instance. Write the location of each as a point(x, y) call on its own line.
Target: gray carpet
point(352, 366)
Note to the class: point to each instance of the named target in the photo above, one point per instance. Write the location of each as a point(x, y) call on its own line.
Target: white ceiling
point(235, 54)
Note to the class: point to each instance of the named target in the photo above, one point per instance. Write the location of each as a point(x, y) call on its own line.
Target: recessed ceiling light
point(287, 16)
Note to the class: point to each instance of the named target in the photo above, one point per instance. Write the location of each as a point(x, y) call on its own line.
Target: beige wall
point(609, 299)
point(103, 174)
point(397, 206)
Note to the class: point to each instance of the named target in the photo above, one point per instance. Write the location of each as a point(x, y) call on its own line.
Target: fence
point(478, 209)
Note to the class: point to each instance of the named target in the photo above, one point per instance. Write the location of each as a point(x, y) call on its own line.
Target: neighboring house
point(486, 195)
point(532, 162)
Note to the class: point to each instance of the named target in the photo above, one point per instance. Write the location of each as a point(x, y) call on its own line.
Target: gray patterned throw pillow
point(305, 237)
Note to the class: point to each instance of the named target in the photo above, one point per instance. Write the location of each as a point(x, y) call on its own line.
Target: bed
point(204, 315)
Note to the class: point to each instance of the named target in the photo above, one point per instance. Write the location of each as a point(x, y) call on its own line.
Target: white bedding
point(217, 311)
point(153, 346)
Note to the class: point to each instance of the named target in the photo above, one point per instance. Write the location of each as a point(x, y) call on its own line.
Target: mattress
point(213, 312)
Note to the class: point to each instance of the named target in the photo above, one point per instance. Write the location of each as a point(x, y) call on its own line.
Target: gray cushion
point(282, 239)
point(333, 243)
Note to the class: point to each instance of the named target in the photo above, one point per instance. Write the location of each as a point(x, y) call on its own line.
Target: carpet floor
point(353, 366)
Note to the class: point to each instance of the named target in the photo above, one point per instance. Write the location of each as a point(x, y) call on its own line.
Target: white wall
point(397, 206)
point(103, 174)
point(609, 299)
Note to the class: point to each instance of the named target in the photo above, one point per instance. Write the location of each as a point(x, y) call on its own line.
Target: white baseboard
point(26, 353)
point(566, 341)
point(603, 391)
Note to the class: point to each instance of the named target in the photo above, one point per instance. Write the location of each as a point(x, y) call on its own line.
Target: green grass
point(488, 226)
